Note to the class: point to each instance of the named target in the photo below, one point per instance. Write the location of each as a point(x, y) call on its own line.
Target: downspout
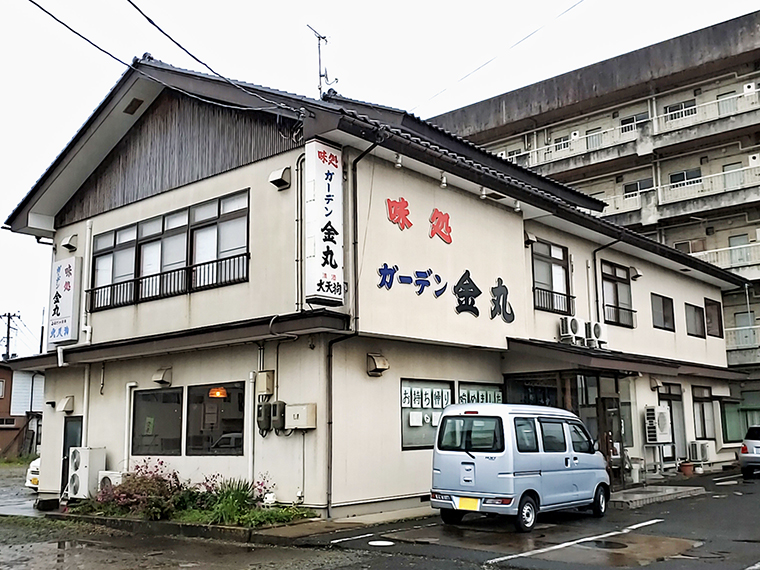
point(299, 231)
point(86, 404)
point(355, 332)
point(252, 380)
point(127, 422)
point(86, 327)
point(746, 299)
point(596, 278)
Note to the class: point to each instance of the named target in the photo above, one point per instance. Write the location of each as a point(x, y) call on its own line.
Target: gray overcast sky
point(396, 53)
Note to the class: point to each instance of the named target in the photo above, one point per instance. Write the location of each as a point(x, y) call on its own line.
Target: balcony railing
point(723, 107)
point(619, 316)
point(707, 185)
point(217, 273)
point(553, 301)
point(742, 337)
point(620, 204)
point(730, 257)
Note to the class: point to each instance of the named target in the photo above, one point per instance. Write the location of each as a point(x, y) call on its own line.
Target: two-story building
point(669, 137)
point(246, 281)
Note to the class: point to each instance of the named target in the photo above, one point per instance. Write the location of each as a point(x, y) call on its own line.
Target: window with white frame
point(695, 320)
point(680, 110)
point(628, 124)
point(726, 103)
point(632, 189)
point(704, 419)
point(190, 249)
point(686, 177)
point(561, 143)
point(594, 138)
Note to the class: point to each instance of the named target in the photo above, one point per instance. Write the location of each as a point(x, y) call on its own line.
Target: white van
point(515, 460)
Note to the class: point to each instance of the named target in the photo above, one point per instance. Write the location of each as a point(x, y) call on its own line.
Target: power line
point(498, 55)
point(143, 73)
point(180, 46)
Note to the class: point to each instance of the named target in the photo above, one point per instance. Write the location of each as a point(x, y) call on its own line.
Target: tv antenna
point(320, 39)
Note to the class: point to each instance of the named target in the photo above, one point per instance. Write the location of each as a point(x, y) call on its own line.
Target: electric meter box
point(265, 383)
point(301, 416)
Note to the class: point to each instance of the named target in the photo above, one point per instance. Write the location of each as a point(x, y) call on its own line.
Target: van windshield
point(471, 433)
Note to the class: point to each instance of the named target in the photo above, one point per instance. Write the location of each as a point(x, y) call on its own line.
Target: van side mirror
point(594, 446)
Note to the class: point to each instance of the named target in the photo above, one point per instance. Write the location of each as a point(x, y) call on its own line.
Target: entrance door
point(72, 437)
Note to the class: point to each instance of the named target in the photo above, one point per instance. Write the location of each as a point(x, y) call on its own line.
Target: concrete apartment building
point(669, 137)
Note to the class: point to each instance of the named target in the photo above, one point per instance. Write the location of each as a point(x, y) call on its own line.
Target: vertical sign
point(324, 224)
point(63, 325)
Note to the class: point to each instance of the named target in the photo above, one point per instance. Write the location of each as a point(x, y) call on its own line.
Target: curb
point(185, 530)
point(635, 503)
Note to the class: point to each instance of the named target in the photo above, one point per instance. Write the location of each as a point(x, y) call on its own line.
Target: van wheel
point(451, 516)
point(526, 514)
point(599, 506)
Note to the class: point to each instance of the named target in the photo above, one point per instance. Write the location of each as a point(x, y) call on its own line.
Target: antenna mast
point(320, 39)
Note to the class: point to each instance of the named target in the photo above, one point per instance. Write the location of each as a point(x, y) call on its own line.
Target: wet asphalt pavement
point(720, 529)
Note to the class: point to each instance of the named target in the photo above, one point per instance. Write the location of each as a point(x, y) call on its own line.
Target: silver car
point(749, 456)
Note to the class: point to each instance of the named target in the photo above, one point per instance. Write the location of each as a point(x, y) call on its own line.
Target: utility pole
point(8, 317)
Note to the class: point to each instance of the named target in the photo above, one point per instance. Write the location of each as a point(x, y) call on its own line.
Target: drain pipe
point(355, 332)
point(596, 278)
point(252, 378)
point(86, 405)
point(127, 422)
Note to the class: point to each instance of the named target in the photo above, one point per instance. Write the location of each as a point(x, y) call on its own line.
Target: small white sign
point(446, 398)
point(473, 397)
point(436, 418)
point(464, 397)
point(482, 397)
point(415, 419)
point(427, 398)
point(63, 324)
point(437, 398)
point(406, 397)
point(416, 397)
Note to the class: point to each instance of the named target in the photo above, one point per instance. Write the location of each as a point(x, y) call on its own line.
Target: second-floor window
point(551, 278)
point(680, 110)
point(695, 321)
point(628, 124)
point(633, 188)
point(195, 248)
point(616, 287)
point(713, 318)
point(662, 313)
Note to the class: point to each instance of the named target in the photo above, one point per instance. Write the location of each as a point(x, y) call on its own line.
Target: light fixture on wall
point(517, 207)
point(483, 193)
point(376, 364)
point(398, 161)
point(443, 180)
point(280, 178)
point(69, 242)
point(218, 392)
point(635, 273)
point(163, 376)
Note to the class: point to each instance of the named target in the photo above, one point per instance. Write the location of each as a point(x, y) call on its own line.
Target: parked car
point(749, 455)
point(33, 475)
point(515, 460)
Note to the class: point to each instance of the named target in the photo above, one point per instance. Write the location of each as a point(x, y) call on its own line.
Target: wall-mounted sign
point(63, 323)
point(324, 224)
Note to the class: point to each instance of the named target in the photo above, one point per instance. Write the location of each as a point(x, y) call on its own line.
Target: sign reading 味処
point(63, 325)
point(324, 224)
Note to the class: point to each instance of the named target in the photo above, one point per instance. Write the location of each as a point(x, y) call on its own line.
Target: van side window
point(470, 433)
point(553, 436)
point(581, 441)
point(525, 434)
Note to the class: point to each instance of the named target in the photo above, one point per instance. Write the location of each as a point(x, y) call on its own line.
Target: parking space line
point(337, 540)
point(578, 541)
point(754, 567)
point(726, 477)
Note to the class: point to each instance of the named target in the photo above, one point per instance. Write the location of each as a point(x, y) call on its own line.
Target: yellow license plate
point(35, 481)
point(468, 504)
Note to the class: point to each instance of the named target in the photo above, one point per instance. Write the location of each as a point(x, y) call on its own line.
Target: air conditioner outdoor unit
point(572, 330)
point(657, 424)
point(108, 479)
point(84, 465)
point(699, 451)
point(596, 335)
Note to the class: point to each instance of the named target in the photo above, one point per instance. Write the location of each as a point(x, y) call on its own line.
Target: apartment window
point(616, 287)
point(551, 278)
point(215, 419)
point(629, 124)
point(561, 143)
point(512, 153)
point(726, 103)
point(633, 188)
point(594, 138)
point(731, 421)
point(686, 177)
point(704, 420)
point(662, 313)
point(7, 422)
point(183, 251)
point(690, 246)
point(695, 321)
point(680, 110)
point(157, 422)
point(733, 176)
point(746, 335)
point(2, 388)
point(713, 318)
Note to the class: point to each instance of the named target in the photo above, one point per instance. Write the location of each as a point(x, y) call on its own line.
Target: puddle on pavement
point(42, 556)
point(617, 551)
